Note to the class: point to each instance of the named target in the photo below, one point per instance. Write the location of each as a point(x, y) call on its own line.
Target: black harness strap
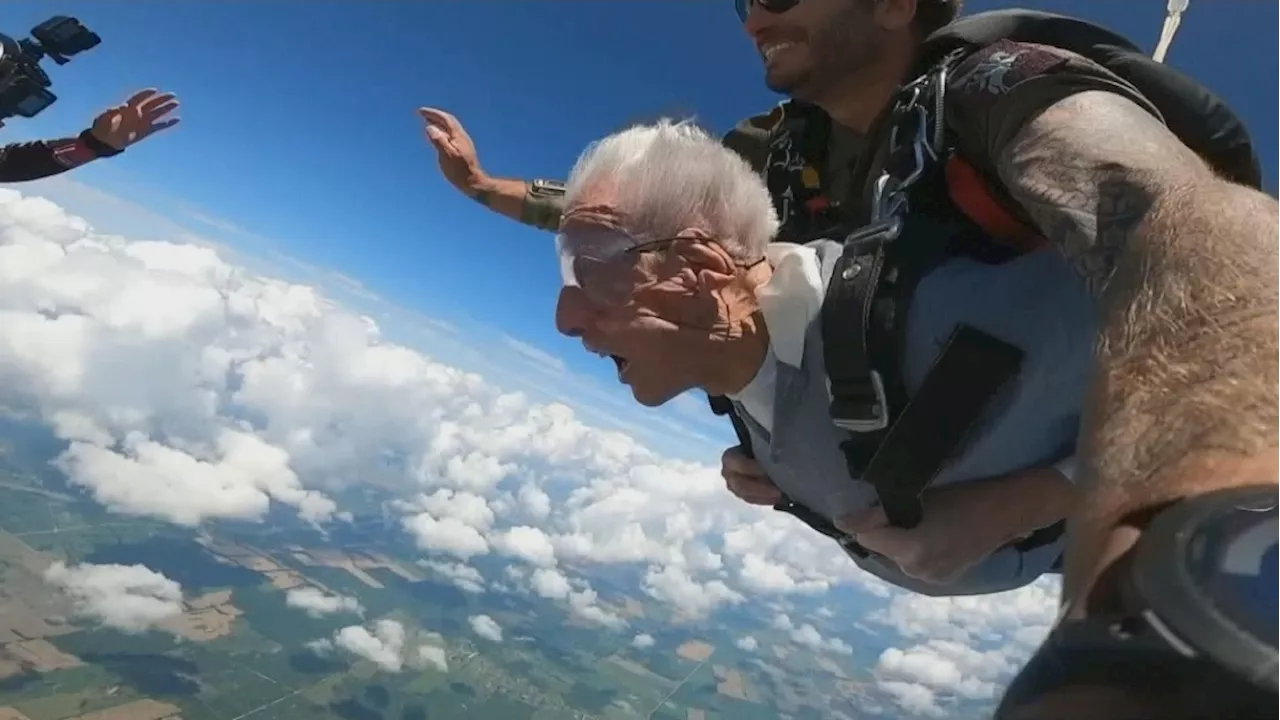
point(968, 374)
point(721, 405)
point(895, 445)
point(858, 402)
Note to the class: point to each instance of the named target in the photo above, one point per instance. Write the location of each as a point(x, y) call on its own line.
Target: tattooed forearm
point(1080, 187)
point(1185, 267)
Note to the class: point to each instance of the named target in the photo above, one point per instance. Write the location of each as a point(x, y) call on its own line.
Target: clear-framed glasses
point(601, 261)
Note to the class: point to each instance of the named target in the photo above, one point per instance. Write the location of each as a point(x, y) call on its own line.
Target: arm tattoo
point(1185, 268)
point(1077, 185)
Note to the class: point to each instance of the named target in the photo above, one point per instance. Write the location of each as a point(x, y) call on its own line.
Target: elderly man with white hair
point(669, 269)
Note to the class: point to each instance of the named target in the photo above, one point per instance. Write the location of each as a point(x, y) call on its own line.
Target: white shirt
point(789, 301)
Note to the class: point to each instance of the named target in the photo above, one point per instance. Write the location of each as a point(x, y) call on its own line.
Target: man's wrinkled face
point(635, 301)
point(814, 45)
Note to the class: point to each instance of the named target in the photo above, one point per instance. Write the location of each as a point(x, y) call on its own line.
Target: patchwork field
point(136, 710)
point(207, 617)
point(695, 650)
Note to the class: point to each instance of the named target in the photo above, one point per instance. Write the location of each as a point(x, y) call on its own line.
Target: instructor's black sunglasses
point(776, 7)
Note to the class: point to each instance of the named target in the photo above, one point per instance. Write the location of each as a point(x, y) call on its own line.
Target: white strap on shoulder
point(1172, 19)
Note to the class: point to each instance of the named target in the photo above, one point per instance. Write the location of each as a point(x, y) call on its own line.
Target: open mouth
point(622, 364)
point(619, 362)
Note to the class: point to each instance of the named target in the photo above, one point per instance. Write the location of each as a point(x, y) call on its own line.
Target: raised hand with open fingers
point(144, 114)
point(456, 152)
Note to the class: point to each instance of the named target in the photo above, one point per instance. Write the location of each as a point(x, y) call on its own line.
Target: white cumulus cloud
point(317, 603)
point(529, 544)
point(807, 635)
point(962, 647)
point(485, 627)
point(386, 644)
point(430, 655)
point(550, 583)
point(383, 646)
point(465, 577)
point(130, 598)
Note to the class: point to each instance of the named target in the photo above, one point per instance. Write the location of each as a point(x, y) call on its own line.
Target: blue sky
point(299, 135)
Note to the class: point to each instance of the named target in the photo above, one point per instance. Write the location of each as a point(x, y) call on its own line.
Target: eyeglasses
point(600, 261)
point(596, 260)
point(777, 7)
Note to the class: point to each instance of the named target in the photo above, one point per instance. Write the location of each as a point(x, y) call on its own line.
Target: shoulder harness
point(895, 443)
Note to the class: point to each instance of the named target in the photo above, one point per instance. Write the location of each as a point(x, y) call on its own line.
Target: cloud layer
point(191, 389)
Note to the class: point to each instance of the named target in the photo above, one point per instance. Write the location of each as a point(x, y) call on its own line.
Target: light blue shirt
point(1036, 302)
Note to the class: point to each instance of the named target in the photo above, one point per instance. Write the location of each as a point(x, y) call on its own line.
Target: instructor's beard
point(840, 49)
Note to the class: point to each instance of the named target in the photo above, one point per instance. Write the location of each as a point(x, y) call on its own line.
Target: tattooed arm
point(1185, 265)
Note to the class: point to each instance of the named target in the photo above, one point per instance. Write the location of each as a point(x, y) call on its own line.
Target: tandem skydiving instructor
point(1169, 608)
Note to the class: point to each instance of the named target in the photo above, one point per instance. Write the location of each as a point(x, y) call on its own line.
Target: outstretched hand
point(144, 114)
point(454, 148)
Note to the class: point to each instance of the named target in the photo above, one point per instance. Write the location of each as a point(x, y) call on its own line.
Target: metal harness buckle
point(890, 206)
point(879, 419)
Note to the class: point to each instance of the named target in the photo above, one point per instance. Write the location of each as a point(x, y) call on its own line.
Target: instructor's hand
point(938, 551)
point(454, 149)
point(744, 478)
point(964, 523)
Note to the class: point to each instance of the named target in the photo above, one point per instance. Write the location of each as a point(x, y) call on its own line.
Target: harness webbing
point(896, 446)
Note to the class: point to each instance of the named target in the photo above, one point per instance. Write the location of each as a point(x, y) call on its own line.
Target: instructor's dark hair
point(933, 14)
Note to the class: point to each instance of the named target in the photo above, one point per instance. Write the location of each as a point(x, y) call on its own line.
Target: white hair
point(669, 176)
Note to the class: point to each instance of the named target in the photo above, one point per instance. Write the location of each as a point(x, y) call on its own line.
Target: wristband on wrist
point(543, 203)
point(96, 146)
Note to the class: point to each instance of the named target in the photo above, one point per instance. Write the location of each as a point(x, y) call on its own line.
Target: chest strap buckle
point(862, 415)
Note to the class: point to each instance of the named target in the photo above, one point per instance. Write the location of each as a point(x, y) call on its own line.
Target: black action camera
point(24, 87)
